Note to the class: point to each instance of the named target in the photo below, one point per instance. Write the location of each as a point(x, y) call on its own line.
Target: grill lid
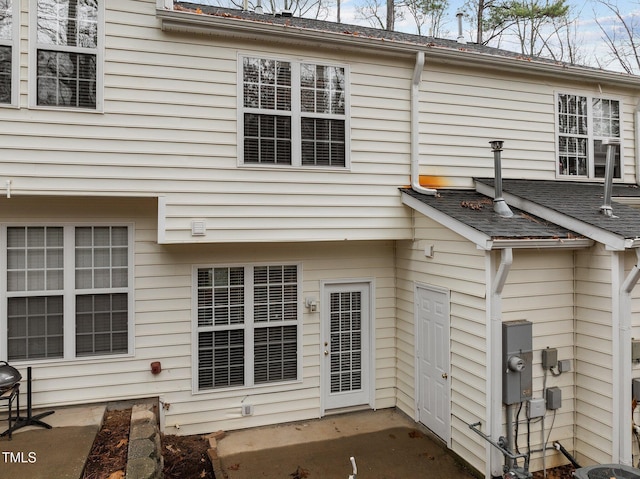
point(8, 375)
point(607, 471)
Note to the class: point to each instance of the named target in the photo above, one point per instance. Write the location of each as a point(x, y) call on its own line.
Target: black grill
point(9, 376)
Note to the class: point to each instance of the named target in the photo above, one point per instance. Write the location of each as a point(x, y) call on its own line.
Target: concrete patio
point(59, 452)
point(386, 445)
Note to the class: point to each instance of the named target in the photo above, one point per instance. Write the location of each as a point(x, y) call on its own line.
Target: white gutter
point(622, 413)
point(415, 127)
point(494, 364)
point(464, 56)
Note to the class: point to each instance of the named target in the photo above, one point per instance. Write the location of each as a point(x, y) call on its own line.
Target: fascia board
point(481, 240)
point(220, 26)
point(612, 241)
point(557, 243)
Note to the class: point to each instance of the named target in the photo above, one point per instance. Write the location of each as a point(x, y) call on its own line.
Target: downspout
point(494, 365)
point(415, 127)
point(623, 401)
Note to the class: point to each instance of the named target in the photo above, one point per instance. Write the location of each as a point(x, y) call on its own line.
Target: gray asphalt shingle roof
point(476, 210)
point(580, 201)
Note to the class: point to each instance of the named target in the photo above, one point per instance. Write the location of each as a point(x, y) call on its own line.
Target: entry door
point(432, 353)
point(345, 350)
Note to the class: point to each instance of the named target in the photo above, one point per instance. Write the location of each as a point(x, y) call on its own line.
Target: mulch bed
point(108, 456)
point(185, 457)
point(560, 472)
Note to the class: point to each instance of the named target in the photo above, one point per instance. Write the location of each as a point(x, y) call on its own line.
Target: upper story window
point(293, 113)
point(67, 292)
point(583, 122)
point(67, 53)
point(8, 51)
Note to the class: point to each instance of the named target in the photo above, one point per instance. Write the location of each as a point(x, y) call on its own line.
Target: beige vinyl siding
point(462, 109)
point(163, 321)
point(169, 128)
point(540, 289)
point(458, 266)
point(594, 356)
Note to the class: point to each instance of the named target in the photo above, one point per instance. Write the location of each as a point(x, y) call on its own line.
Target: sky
point(589, 35)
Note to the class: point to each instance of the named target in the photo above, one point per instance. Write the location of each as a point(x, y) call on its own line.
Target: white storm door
point(345, 345)
point(432, 357)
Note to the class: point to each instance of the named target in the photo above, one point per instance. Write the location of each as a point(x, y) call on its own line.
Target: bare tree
point(375, 12)
point(563, 42)
point(621, 37)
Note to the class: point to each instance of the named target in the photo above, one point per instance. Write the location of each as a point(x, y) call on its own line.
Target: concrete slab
point(60, 452)
point(386, 444)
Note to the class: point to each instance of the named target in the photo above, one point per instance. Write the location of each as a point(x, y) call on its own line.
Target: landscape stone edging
point(214, 437)
point(144, 459)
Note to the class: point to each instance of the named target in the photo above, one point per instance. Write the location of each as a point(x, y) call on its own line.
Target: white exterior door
point(345, 345)
point(432, 357)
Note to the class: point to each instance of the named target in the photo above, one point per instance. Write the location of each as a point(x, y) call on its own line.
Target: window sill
point(65, 361)
point(248, 390)
point(69, 109)
point(265, 166)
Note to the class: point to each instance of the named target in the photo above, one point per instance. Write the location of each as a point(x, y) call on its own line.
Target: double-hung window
point(583, 123)
point(67, 291)
point(247, 325)
point(67, 53)
point(293, 113)
point(8, 51)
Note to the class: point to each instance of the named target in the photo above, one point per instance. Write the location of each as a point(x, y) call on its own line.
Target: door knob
point(445, 375)
point(326, 353)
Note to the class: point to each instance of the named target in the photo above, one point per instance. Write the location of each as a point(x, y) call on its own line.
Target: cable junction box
point(536, 408)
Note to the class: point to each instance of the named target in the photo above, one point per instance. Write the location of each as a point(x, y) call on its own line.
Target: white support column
point(495, 285)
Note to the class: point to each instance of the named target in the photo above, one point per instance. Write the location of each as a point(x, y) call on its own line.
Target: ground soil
point(185, 457)
point(562, 472)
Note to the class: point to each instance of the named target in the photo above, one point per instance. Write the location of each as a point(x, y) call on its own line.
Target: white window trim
point(247, 327)
point(34, 46)
point(14, 43)
point(69, 320)
point(295, 113)
point(590, 137)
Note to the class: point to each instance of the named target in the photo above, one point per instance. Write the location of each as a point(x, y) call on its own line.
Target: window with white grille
point(247, 325)
point(583, 123)
point(293, 113)
point(8, 40)
point(66, 282)
point(67, 52)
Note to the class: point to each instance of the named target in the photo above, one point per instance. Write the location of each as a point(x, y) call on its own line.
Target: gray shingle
point(578, 200)
point(476, 210)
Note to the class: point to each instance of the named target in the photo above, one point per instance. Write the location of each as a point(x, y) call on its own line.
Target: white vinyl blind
point(247, 320)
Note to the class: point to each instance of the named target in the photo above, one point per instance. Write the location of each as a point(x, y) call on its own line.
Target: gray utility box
point(517, 344)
